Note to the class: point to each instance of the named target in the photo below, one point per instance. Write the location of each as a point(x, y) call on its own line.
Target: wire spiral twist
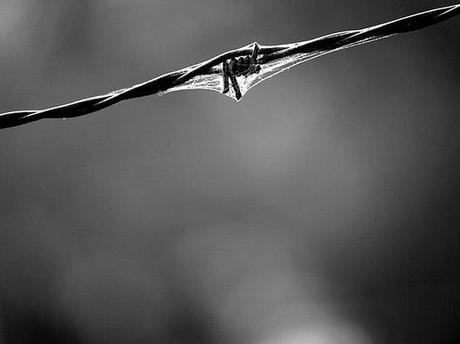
point(265, 54)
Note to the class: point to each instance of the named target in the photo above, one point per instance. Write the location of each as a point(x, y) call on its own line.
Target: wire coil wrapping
point(265, 54)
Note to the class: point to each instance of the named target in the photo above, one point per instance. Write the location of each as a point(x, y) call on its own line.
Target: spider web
point(214, 80)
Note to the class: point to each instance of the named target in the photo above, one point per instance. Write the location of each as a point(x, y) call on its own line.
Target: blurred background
point(323, 209)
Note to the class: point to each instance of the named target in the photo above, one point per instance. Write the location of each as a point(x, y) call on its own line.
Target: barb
point(245, 67)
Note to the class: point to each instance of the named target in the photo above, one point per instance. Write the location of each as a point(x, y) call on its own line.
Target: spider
point(243, 66)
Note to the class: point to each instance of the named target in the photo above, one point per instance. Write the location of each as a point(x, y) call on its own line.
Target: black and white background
point(323, 208)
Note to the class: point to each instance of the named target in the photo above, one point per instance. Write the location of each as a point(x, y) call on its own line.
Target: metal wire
point(266, 54)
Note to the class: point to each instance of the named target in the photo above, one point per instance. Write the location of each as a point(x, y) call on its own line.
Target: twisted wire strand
point(321, 45)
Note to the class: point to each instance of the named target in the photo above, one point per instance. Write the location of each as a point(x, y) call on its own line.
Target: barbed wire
point(262, 55)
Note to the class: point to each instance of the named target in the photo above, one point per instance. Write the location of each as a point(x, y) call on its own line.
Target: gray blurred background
point(323, 209)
